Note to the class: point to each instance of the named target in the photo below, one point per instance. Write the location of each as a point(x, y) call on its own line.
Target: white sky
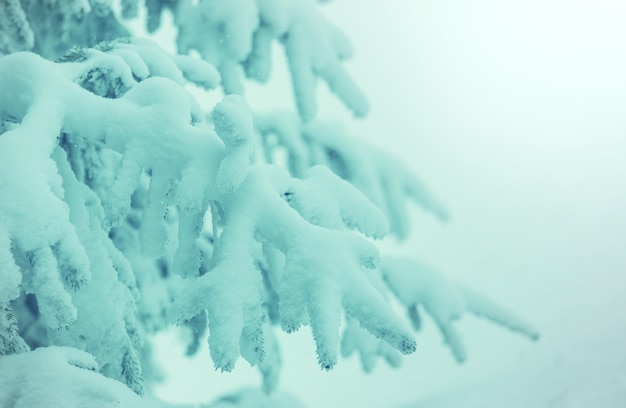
point(513, 113)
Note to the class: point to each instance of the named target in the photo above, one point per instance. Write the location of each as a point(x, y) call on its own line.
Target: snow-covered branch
point(63, 249)
point(385, 180)
point(127, 206)
point(64, 377)
point(417, 285)
point(147, 138)
point(319, 275)
point(239, 33)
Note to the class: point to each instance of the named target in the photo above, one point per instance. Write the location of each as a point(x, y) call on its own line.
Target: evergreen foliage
point(128, 207)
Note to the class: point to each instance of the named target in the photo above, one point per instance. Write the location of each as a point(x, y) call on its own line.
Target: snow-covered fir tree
point(127, 206)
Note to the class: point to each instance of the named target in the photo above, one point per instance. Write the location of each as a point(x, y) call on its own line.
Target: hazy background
point(513, 113)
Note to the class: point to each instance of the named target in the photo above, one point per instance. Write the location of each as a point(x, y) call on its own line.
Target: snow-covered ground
point(513, 113)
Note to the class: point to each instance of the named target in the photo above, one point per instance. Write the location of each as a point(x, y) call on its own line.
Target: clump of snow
point(236, 34)
point(386, 181)
point(369, 348)
point(60, 377)
point(311, 288)
point(221, 32)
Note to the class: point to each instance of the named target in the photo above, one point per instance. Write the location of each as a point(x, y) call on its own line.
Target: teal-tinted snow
point(233, 124)
point(230, 34)
point(232, 294)
point(221, 31)
point(112, 68)
point(381, 177)
point(45, 242)
point(286, 129)
point(417, 285)
point(484, 307)
point(149, 125)
point(62, 377)
point(198, 71)
point(322, 272)
point(314, 49)
point(108, 336)
point(369, 348)
point(99, 72)
point(133, 61)
point(324, 199)
point(161, 63)
point(356, 339)
point(274, 16)
point(54, 302)
point(36, 218)
point(157, 284)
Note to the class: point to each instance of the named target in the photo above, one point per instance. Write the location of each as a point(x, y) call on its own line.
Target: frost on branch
point(378, 175)
point(417, 285)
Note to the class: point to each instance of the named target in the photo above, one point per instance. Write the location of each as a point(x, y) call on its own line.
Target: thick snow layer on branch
point(233, 123)
point(233, 35)
point(378, 175)
point(112, 288)
point(326, 200)
point(166, 168)
point(418, 285)
point(322, 270)
point(56, 229)
point(147, 126)
point(35, 216)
